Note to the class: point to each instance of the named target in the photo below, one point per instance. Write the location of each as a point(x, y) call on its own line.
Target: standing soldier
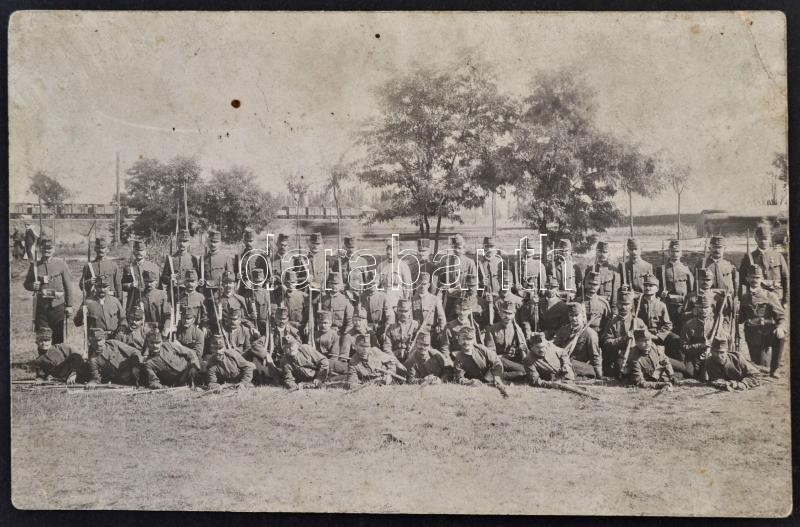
point(352, 269)
point(468, 290)
point(339, 305)
point(176, 265)
point(189, 334)
point(399, 335)
point(156, 304)
point(279, 262)
point(530, 273)
point(53, 291)
point(194, 301)
point(505, 295)
point(57, 361)
point(475, 363)
point(169, 363)
point(18, 244)
point(227, 365)
point(135, 332)
point(30, 241)
point(427, 309)
point(764, 323)
point(581, 343)
point(598, 310)
point(112, 360)
point(723, 273)
point(301, 362)
point(635, 268)
point(618, 335)
point(375, 304)
point(369, 363)
point(296, 303)
point(490, 267)
point(395, 274)
point(426, 265)
point(101, 266)
point(314, 266)
point(607, 274)
point(427, 365)
point(771, 262)
point(132, 281)
point(553, 312)
point(103, 311)
point(566, 271)
point(654, 314)
point(508, 341)
point(247, 262)
point(704, 283)
point(677, 283)
point(215, 264)
point(258, 298)
point(458, 267)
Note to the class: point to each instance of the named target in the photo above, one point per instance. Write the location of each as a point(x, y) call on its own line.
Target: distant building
point(69, 210)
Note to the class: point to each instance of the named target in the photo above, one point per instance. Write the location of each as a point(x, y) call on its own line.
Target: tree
point(431, 148)
point(564, 170)
point(48, 190)
point(637, 174)
point(781, 174)
point(678, 177)
point(233, 200)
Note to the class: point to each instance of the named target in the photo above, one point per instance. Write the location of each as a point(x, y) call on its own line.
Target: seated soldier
point(546, 362)
point(505, 294)
point(194, 300)
point(169, 363)
point(103, 310)
point(508, 341)
point(427, 308)
point(347, 348)
point(553, 312)
point(656, 317)
point(697, 332)
point(229, 299)
point(427, 365)
point(450, 342)
point(280, 329)
point(399, 335)
point(134, 333)
point(112, 360)
point(239, 336)
point(226, 365)
point(338, 303)
point(266, 372)
point(190, 335)
point(475, 364)
point(375, 306)
point(618, 336)
point(302, 363)
point(730, 370)
point(650, 367)
point(371, 364)
point(326, 338)
point(258, 298)
point(155, 303)
point(581, 343)
point(59, 362)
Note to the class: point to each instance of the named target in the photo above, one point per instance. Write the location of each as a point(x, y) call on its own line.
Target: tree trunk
point(679, 215)
point(427, 227)
point(630, 211)
point(438, 230)
point(422, 226)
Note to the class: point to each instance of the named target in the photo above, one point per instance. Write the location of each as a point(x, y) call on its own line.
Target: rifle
point(634, 316)
point(735, 322)
point(571, 345)
point(34, 265)
point(173, 317)
point(310, 325)
point(217, 316)
point(572, 389)
point(623, 270)
point(663, 268)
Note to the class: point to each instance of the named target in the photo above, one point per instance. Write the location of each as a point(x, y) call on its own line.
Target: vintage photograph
point(389, 262)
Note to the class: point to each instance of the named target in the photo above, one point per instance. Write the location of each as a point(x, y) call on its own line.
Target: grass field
point(451, 449)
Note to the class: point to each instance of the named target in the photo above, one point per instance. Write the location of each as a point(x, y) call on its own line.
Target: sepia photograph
point(473, 263)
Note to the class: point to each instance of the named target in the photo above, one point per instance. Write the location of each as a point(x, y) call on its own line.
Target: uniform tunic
point(197, 303)
point(132, 337)
point(734, 368)
point(347, 345)
point(132, 282)
point(214, 265)
point(610, 280)
point(489, 273)
point(231, 367)
point(480, 363)
point(172, 365)
point(115, 362)
point(427, 309)
point(634, 273)
point(328, 343)
point(598, 312)
point(53, 298)
point(307, 365)
point(436, 363)
point(724, 275)
point(157, 308)
point(193, 338)
point(532, 272)
point(586, 349)
point(651, 367)
point(373, 366)
point(553, 315)
point(569, 276)
point(181, 262)
point(776, 272)
point(100, 268)
point(554, 364)
point(398, 337)
point(342, 311)
point(105, 313)
point(762, 313)
point(59, 362)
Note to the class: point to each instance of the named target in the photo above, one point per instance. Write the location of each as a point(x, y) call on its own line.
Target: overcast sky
point(708, 88)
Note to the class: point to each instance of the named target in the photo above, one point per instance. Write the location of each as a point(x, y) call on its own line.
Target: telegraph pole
point(117, 211)
point(494, 214)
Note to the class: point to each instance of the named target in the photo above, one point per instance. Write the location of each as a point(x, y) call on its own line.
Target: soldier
point(280, 262)
point(176, 265)
point(226, 365)
point(729, 370)
point(215, 264)
point(764, 323)
point(458, 267)
point(338, 304)
point(266, 372)
point(258, 299)
point(238, 336)
point(607, 274)
point(650, 368)
point(228, 299)
point(508, 341)
point(279, 330)
point(325, 337)
point(478, 303)
point(677, 283)
point(59, 362)
point(771, 262)
point(530, 273)
point(189, 334)
point(504, 294)
point(696, 334)
point(474, 363)
point(17, 244)
point(566, 271)
point(135, 332)
point(704, 282)
point(53, 290)
point(635, 268)
point(399, 336)
point(598, 310)
point(581, 343)
point(426, 265)
point(369, 363)
point(655, 316)
point(103, 311)
point(395, 274)
point(303, 363)
point(194, 300)
point(374, 302)
point(314, 265)
point(347, 345)
point(618, 335)
point(450, 342)
point(169, 363)
point(723, 273)
point(155, 303)
point(546, 362)
point(352, 269)
point(490, 267)
point(553, 312)
point(112, 360)
point(246, 263)
point(30, 241)
point(101, 266)
point(427, 365)
point(296, 302)
point(427, 309)
point(132, 281)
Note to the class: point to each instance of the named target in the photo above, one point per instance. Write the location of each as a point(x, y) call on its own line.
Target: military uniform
point(30, 242)
point(480, 362)
point(246, 263)
point(132, 280)
point(426, 362)
point(134, 333)
point(328, 342)
point(530, 273)
point(259, 301)
point(229, 367)
point(635, 270)
point(553, 364)
point(723, 273)
point(279, 262)
point(772, 264)
point(656, 317)
point(457, 268)
point(428, 311)
point(339, 306)
point(370, 363)
point(761, 313)
point(178, 263)
point(587, 359)
point(553, 315)
point(399, 336)
point(173, 364)
point(618, 336)
point(191, 336)
point(651, 368)
point(696, 336)
point(238, 336)
point(60, 361)
point(509, 343)
point(196, 302)
point(307, 364)
point(567, 273)
point(54, 294)
point(101, 267)
point(157, 309)
point(114, 362)
point(607, 275)
point(598, 310)
point(215, 264)
point(103, 313)
point(490, 268)
point(729, 369)
point(279, 331)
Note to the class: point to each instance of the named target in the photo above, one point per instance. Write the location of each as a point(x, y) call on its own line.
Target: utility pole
point(494, 214)
point(117, 211)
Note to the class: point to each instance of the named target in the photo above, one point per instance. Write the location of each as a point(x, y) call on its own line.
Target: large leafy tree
point(233, 200)
point(431, 149)
point(48, 189)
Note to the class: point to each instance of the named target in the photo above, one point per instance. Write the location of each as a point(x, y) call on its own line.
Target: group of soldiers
point(297, 318)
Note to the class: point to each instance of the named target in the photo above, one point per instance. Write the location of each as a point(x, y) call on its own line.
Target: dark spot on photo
point(236, 103)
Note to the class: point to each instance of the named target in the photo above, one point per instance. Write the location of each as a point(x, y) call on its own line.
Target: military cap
point(281, 313)
point(755, 271)
point(258, 274)
point(601, 246)
point(564, 243)
point(575, 308)
point(138, 244)
point(228, 277)
point(537, 338)
point(674, 244)
point(315, 238)
point(149, 276)
point(424, 277)
point(249, 235)
point(100, 243)
point(187, 311)
point(43, 334)
point(719, 344)
point(359, 312)
point(625, 296)
point(282, 237)
point(214, 235)
point(424, 338)
point(423, 242)
point(467, 331)
point(231, 314)
point(551, 281)
point(335, 279)
point(46, 242)
point(136, 312)
point(633, 243)
point(103, 281)
point(190, 274)
point(649, 279)
point(363, 341)
point(717, 241)
point(153, 336)
point(404, 304)
point(349, 242)
point(639, 334)
point(457, 239)
point(763, 230)
point(507, 307)
point(325, 315)
point(488, 241)
point(97, 333)
point(593, 278)
point(470, 280)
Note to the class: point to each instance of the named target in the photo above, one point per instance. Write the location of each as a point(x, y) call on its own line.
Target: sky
point(707, 89)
